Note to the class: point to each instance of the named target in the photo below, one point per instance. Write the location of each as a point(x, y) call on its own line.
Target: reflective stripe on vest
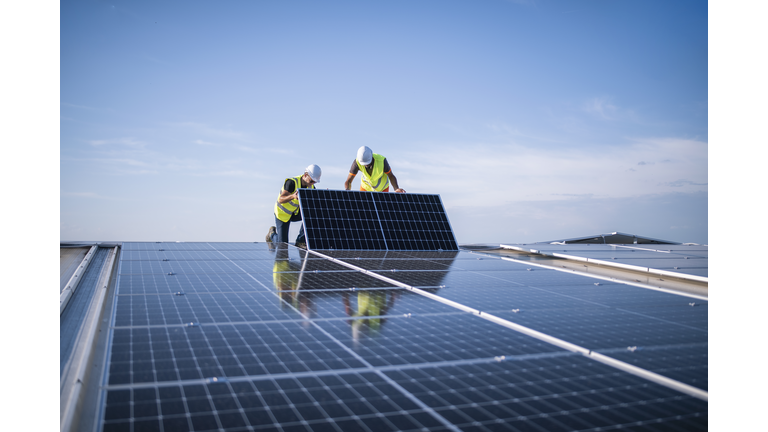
point(286, 210)
point(377, 176)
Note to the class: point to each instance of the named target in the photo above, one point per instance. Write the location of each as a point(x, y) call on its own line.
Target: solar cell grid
point(374, 221)
point(300, 354)
point(387, 304)
point(169, 284)
point(400, 264)
point(553, 394)
point(433, 338)
point(414, 222)
point(450, 278)
point(621, 296)
point(165, 309)
point(166, 246)
point(603, 328)
point(350, 401)
point(156, 255)
point(686, 363)
point(337, 220)
point(694, 314)
point(193, 246)
point(144, 355)
point(327, 280)
point(177, 266)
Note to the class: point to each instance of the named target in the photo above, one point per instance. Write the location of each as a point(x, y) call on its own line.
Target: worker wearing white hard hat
point(377, 175)
point(287, 205)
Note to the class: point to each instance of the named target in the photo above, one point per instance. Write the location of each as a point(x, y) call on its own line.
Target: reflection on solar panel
point(375, 221)
point(260, 337)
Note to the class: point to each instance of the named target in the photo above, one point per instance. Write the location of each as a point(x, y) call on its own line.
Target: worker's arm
point(393, 180)
point(348, 183)
point(286, 196)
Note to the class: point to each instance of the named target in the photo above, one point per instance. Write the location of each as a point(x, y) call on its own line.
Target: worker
point(287, 206)
point(377, 175)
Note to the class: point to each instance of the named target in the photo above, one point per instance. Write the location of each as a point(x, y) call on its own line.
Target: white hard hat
point(364, 155)
point(314, 172)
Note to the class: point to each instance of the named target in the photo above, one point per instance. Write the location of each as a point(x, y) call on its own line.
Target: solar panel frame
point(359, 220)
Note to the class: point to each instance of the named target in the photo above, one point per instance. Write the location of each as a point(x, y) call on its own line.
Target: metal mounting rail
point(72, 384)
point(74, 281)
point(649, 270)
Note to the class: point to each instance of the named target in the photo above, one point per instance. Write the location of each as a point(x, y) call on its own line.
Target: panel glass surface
point(414, 222)
point(374, 221)
point(340, 220)
point(293, 341)
point(550, 394)
point(687, 363)
point(599, 328)
point(157, 255)
point(433, 338)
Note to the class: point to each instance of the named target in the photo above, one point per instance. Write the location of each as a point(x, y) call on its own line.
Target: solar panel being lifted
point(375, 221)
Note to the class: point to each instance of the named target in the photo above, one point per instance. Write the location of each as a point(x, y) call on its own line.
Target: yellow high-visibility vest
point(284, 211)
point(286, 281)
point(378, 180)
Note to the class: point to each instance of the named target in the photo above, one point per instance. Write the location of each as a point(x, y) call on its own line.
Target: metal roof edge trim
point(615, 233)
point(74, 281)
point(613, 264)
point(605, 278)
point(72, 386)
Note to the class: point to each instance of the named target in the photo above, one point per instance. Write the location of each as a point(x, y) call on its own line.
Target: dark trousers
point(282, 230)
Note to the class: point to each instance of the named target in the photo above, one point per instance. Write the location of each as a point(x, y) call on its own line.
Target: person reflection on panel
point(374, 304)
point(286, 276)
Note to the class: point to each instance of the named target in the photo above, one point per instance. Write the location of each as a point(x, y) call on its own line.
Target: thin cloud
point(477, 172)
point(84, 107)
point(681, 183)
point(515, 132)
point(128, 141)
point(206, 143)
point(587, 195)
point(89, 195)
point(246, 174)
point(247, 149)
point(281, 151)
point(208, 130)
point(82, 194)
point(601, 107)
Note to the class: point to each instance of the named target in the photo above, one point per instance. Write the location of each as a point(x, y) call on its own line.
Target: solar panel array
point(336, 219)
point(245, 336)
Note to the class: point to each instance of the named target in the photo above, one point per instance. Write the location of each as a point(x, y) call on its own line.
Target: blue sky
point(534, 120)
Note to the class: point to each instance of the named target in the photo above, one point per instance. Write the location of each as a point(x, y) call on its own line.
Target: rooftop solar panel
point(375, 221)
point(230, 345)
